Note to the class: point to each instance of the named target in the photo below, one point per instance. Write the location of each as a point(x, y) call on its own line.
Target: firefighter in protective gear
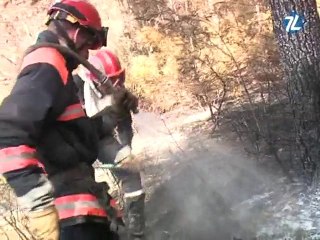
point(47, 143)
point(117, 150)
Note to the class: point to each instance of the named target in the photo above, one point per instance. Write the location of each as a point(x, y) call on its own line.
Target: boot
point(134, 217)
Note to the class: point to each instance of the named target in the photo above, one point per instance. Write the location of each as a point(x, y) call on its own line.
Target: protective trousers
point(87, 231)
point(134, 216)
point(78, 199)
point(112, 152)
point(134, 197)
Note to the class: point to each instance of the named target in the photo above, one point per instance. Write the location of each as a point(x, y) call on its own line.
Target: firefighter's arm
point(125, 100)
point(125, 129)
point(22, 117)
point(124, 119)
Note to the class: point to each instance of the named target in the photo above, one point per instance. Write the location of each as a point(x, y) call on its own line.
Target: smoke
point(204, 184)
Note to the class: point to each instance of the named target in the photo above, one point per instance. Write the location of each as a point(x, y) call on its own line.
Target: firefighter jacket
point(44, 132)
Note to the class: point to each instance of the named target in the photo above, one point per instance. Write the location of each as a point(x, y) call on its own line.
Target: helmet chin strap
point(75, 37)
point(63, 33)
point(70, 43)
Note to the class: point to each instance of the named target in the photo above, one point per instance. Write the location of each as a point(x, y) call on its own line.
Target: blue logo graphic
point(294, 22)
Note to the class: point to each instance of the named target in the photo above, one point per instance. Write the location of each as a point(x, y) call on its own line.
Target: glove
point(44, 224)
point(125, 100)
point(126, 160)
point(131, 102)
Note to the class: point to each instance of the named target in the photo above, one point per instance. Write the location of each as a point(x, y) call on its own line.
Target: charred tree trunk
point(300, 55)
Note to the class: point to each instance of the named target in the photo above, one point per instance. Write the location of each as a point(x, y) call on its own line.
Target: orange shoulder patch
point(50, 56)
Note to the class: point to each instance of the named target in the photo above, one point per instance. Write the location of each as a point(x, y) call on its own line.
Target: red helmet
point(109, 64)
point(83, 13)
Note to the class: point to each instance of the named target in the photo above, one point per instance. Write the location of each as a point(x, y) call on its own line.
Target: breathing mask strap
point(64, 35)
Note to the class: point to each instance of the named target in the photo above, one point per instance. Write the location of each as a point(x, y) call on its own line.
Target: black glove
point(124, 99)
point(131, 102)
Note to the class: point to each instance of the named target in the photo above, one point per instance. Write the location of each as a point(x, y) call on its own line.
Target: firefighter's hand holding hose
point(123, 98)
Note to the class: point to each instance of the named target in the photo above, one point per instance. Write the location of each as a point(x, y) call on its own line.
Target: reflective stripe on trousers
point(79, 205)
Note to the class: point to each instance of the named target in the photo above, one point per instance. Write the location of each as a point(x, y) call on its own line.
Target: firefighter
point(47, 143)
point(116, 148)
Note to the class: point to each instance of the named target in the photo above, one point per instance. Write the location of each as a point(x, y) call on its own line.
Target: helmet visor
point(98, 38)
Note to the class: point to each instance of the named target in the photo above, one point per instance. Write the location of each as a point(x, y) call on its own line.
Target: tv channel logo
point(294, 22)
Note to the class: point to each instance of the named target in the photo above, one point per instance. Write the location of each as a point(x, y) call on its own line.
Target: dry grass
point(12, 222)
point(155, 74)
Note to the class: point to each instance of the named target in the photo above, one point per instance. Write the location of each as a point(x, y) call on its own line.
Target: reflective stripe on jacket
point(79, 205)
